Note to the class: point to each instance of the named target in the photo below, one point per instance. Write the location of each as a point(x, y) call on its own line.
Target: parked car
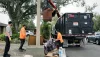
point(91, 38)
point(94, 38)
point(97, 38)
point(29, 33)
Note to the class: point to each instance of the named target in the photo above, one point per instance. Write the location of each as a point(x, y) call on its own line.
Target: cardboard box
point(52, 56)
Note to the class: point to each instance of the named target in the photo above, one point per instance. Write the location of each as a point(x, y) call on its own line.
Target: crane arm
point(52, 4)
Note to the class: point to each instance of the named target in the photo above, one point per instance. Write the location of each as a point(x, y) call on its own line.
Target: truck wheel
point(77, 45)
point(97, 42)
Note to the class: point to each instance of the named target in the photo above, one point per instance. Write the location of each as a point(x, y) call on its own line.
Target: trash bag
point(49, 45)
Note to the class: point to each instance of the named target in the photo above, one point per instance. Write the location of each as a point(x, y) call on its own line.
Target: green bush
point(15, 36)
point(45, 30)
point(2, 37)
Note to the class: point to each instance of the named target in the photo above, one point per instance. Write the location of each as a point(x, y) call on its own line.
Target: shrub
point(15, 36)
point(45, 30)
point(2, 37)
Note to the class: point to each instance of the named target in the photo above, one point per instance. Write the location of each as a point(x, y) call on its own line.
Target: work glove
point(10, 39)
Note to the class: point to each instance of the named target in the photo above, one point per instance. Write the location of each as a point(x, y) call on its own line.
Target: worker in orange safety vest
point(22, 37)
point(59, 39)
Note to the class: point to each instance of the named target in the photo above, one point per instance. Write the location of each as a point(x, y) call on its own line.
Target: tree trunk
point(15, 27)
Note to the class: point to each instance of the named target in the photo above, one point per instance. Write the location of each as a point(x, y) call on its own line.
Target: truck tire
point(97, 42)
point(78, 46)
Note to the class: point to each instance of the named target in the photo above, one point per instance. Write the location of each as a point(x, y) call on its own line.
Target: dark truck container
point(74, 28)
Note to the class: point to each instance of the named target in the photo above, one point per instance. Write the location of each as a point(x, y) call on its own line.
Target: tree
point(19, 11)
point(90, 8)
point(96, 20)
point(30, 25)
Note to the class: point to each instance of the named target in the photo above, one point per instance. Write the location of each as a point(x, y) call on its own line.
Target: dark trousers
point(22, 43)
point(7, 46)
point(59, 44)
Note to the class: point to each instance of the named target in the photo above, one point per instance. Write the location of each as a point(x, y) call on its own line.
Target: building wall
point(2, 29)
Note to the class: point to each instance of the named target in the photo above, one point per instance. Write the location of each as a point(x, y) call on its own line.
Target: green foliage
point(46, 30)
point(30, 25)
point(13, 30)
point(15, 36)
point(2, 37)
point(96, 22)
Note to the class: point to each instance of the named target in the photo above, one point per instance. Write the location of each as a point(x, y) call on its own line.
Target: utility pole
point(38, 24)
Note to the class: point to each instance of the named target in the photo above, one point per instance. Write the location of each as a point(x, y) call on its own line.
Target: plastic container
point(60, 52)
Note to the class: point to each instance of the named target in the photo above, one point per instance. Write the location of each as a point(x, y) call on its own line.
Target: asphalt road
point(90, 50)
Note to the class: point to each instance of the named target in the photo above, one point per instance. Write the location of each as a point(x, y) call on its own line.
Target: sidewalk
point(30, 50)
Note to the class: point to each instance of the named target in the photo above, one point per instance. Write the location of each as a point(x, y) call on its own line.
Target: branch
point(71, 2)
point(27, 11)
point(3, 3)
point(19, 5)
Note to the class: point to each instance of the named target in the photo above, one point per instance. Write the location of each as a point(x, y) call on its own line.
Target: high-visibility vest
point(59, 37)
point(22, 33)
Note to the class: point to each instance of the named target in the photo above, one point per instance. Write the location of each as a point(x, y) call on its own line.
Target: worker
point(8, 35)
point(22, 38)
point(59, 39)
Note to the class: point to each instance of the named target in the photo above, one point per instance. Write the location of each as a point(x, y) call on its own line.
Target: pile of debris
point(53, 53)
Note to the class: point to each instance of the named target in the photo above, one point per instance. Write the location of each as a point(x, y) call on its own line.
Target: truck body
point(74, 28)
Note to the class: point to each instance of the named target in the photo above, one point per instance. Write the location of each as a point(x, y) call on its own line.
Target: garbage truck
point(74, 28)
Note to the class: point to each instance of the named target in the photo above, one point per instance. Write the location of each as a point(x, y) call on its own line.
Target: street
point(90, 50)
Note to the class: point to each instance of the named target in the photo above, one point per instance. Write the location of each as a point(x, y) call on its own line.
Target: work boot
point(23, 49)
point(8, 55)
point(20, 50)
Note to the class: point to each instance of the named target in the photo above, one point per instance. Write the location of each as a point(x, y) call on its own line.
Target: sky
point(4, 18)
point(73, 8)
